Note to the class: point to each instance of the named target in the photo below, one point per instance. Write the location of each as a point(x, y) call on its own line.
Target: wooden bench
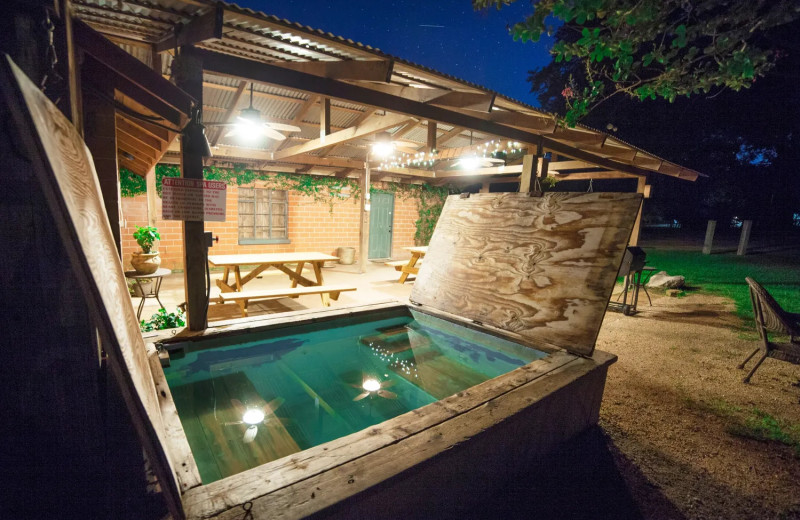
point(328, 292)
point(399, 264)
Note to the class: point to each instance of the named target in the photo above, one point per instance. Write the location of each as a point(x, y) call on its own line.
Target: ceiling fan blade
point(233, 423)
point(282, 127)
point(233, 132)
point(250, 434)
point(360, 396)
point(273, 405)
point(269, 132)
point(388, 383)
point(218, 124)
point(387, 394)
point(240, 408)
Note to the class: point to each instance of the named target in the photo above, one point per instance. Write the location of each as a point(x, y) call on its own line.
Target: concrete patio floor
point(379, 283)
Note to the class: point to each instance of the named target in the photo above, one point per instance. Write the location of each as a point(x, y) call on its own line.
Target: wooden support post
point(431, 144)
point(152, 217)
point(744, 240)
point(526, 177)
point(364, 227)
point(485, 187)
point(194, 248)
point(68, 65)
point(100, 134)
point(543, 165)
point(324, 118)
point(637, 226)
point(709, 241)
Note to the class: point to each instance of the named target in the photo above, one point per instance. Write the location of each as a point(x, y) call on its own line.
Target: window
point(263, 216)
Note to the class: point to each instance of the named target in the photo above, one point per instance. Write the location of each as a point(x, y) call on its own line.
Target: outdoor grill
point(633, 261)
point(631, 268)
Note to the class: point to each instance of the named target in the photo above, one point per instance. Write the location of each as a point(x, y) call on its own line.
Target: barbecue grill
point(631, 268)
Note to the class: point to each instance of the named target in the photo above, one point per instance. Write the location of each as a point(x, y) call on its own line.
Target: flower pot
point(145, 263)
point(145, 285)
point(346, 255)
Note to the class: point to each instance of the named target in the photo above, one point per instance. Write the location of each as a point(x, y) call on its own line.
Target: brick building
point(310, 226)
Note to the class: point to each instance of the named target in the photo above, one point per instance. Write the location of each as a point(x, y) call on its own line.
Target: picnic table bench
point(328, 292)
point(410, 266)
point(281, 262)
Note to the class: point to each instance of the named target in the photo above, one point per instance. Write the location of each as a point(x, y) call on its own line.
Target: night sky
point(445, 35)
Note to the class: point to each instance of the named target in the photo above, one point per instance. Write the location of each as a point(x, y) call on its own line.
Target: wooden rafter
point(346, 70)
point(369, 127)
point(204, 27)
point(229, 111)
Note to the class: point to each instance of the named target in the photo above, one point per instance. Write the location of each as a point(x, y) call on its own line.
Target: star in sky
point(445, 35)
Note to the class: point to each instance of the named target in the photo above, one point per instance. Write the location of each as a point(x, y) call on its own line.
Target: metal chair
point(770, 317)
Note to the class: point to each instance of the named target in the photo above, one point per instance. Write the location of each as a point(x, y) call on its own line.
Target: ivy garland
point(324, 190)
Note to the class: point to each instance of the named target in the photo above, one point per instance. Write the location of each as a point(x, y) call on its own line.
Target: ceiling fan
point(249, 124)
point(253, 416)
point(473, 161)
point(371, 386)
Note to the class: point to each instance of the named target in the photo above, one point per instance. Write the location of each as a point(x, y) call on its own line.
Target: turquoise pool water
point(282, 391)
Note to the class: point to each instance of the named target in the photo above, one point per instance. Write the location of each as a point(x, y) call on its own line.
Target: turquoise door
point(380, 225)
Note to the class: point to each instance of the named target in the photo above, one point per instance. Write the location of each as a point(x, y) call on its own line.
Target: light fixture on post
point(195, 135)
point(250, 126)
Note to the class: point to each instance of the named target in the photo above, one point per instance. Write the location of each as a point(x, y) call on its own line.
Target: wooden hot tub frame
point(459, 446)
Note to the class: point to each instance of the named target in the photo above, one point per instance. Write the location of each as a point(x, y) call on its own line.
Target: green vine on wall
point(430, 201)
point(324, 190)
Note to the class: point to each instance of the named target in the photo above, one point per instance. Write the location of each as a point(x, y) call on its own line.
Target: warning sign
point(193, 200)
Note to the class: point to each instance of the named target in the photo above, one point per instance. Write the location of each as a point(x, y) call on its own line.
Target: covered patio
point(343, 96)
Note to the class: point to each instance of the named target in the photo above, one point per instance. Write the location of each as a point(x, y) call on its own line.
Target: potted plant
point(147, 260)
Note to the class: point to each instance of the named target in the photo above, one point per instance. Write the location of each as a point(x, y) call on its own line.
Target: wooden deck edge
point(280, 320)
point(304, 470)
point(179, 451)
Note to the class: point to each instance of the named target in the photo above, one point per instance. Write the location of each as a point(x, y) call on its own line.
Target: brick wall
point(312, 227)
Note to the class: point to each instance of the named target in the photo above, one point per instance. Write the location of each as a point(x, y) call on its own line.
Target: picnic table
point(291, 264)
point(409, 267)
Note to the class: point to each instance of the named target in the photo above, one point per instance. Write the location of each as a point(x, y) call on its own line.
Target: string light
point(428, 159)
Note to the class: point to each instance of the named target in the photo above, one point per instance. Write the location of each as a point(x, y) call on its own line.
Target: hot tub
point(405, 408)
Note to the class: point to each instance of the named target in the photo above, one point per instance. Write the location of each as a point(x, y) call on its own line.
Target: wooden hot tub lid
point(541, 267)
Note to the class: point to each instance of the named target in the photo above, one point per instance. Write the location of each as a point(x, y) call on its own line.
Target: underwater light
point(253, 417)
point(371, 385)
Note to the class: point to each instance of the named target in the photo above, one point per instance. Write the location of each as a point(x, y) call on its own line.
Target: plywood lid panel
point(542, 267)
point(63, 165)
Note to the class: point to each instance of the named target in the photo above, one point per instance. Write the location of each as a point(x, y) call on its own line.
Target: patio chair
point(770, 317)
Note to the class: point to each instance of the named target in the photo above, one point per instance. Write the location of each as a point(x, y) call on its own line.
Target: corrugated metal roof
point(268, 38)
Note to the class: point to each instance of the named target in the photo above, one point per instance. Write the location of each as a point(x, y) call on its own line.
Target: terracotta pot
point(145, 263)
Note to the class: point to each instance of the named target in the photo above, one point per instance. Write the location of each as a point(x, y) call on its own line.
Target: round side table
point(154, 288)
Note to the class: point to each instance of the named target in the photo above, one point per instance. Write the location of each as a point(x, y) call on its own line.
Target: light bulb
point(253, 416)
point(371, 385)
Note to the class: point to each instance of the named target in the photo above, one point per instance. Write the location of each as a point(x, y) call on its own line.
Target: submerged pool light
point(371, 385)
point(253, 417)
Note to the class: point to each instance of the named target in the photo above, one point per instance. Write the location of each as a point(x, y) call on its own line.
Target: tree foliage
point(653, 49)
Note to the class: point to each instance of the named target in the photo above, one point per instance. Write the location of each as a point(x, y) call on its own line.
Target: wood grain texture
point(542, 267)
point(64, 167)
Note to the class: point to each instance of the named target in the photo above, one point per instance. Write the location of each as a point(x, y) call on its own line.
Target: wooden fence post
point(708, 242)
point(747, 226)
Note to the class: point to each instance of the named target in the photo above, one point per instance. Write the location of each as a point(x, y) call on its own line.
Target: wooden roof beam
point(126, 66)
point(207, 26)
point(370, 126)
point(344, 70)
point(480, 172)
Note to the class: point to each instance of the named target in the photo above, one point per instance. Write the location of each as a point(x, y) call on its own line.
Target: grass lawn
point(724, 274)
